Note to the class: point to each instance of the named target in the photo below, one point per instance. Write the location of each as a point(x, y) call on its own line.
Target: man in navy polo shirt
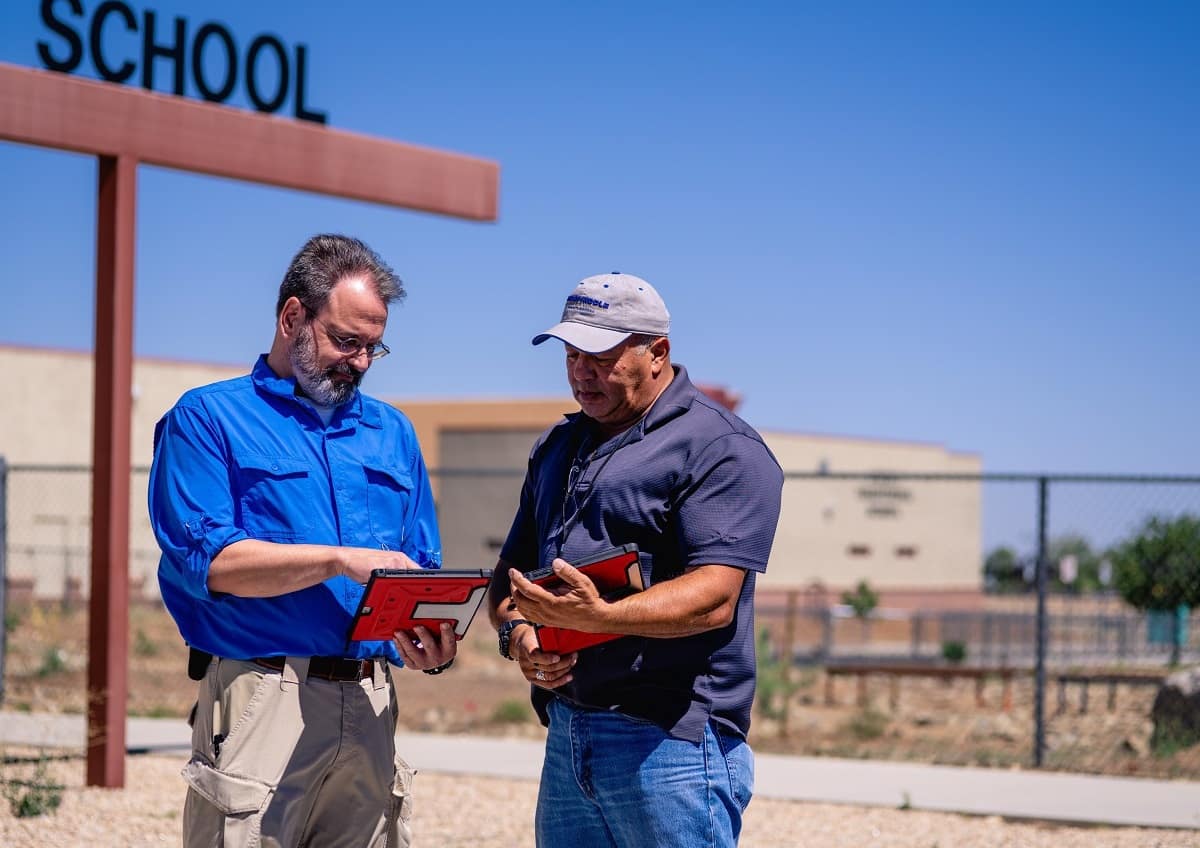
point(273, 496)
point(647, 733)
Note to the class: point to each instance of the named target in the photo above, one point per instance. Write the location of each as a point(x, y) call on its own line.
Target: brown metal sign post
point(125, 127)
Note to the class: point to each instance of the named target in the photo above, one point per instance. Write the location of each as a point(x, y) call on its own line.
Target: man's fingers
point(570, 575)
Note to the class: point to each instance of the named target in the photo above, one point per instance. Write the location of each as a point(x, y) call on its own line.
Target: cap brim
point(583, 337)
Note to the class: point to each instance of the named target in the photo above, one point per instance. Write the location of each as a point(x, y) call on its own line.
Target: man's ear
point(660, 349)
point(291, 317)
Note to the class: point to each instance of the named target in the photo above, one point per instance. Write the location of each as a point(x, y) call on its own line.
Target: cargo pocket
point(238, 801)
point(399, 829)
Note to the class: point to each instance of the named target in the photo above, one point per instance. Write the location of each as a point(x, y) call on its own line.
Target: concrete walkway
point(1050, 796)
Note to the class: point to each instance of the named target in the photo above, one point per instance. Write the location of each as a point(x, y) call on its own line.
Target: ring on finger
point(541, 675)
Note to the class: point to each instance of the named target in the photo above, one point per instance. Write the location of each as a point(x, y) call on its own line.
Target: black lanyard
point(575, 474)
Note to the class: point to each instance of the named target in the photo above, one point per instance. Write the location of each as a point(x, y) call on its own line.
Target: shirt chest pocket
point(389, 500)
point(276, 497)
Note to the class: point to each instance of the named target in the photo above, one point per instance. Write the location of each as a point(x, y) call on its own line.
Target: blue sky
point(968, 224)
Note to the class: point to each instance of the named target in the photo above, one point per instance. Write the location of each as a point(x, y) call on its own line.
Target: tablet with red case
point(400, 599)
point(616, 572)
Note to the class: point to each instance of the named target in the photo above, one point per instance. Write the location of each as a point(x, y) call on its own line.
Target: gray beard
point(317, 384)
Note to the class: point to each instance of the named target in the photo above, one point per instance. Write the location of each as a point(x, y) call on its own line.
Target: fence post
point(789, 657)
point(3, 569)
point(1039, 678)
point(916, 622)
point(826, 632)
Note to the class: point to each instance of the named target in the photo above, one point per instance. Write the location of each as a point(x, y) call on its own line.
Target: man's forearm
point(697, 601)
point(253, 568)
point(670, 610)
point(256, 569)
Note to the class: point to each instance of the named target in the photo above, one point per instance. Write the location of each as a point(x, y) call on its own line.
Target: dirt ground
point(933, 721)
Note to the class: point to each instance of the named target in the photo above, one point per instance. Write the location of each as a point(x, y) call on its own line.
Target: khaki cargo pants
point(282, 760)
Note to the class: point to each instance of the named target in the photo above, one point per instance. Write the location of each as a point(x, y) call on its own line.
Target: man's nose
point(582, 367)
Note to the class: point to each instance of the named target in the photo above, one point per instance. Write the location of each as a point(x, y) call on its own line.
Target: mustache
point(347, 370)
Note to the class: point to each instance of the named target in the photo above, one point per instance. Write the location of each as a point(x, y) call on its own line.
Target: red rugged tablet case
point(616, 572)
point(400, 599)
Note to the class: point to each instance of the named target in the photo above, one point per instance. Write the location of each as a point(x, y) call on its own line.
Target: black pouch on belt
point(198, 663)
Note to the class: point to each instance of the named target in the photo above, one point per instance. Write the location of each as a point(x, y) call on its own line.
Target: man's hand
point(358, 563)
point(548, 671)
point(576, 603)
point(421, 648)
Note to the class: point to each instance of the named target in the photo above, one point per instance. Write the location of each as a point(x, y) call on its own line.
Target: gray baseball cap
point(605, 310)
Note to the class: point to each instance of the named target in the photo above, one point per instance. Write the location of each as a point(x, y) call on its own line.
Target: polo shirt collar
point(673, 402)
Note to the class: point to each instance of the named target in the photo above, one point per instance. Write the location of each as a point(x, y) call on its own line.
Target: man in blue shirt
point(647, 734)
point(273, 496)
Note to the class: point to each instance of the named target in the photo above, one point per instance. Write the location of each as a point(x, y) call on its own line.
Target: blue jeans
point(611, 781)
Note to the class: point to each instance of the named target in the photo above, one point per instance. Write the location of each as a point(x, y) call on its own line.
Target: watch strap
point(505, 636)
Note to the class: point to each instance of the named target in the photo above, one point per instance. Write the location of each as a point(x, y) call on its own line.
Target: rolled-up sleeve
point(191, 505)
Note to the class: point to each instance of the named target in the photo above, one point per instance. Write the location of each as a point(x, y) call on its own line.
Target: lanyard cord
point(569, 521)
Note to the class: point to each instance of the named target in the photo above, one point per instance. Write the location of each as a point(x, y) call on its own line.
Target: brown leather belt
point(327, 668)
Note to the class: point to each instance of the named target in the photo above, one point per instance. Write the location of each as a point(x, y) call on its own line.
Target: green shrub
point(34, 797)
point(54, 661)
point(866, 725)
point(771, 689)
point(512, 711)
point(1170, 737)
point(12, 620)
point(954, 651)
point(143, 645)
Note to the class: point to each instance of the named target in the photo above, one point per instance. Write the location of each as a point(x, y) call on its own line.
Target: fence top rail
point(993, 476)
point(64, 468)
point(920, 669)
point(1131, 678)
point(938, 476)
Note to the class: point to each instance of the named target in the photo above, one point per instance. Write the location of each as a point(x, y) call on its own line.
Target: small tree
point(1002, 571)
point(1159, 569)
point(862, 601)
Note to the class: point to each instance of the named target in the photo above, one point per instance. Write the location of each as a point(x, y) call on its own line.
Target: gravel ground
point(146, 813)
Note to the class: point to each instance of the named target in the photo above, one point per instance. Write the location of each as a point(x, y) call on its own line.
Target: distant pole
point(3, 568)
point(1039, 678)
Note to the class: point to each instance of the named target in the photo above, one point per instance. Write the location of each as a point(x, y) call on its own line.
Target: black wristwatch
point(505, 634)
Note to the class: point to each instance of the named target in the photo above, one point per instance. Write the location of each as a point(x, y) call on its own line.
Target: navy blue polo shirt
point(691, 484)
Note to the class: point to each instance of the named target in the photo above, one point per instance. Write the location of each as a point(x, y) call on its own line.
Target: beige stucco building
point(906, 537)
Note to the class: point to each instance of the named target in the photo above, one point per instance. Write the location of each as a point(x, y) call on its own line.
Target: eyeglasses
point(350, 345)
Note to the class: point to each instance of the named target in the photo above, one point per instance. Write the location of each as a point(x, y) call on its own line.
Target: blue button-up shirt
point(247, 459)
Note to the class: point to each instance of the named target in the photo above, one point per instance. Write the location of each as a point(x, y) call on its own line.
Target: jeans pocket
point(739, 763)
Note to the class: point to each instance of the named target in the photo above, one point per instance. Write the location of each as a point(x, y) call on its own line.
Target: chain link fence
point(1054, 583)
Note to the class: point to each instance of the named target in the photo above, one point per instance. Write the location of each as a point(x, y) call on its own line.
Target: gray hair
point(642, 341)
point(324, 261)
